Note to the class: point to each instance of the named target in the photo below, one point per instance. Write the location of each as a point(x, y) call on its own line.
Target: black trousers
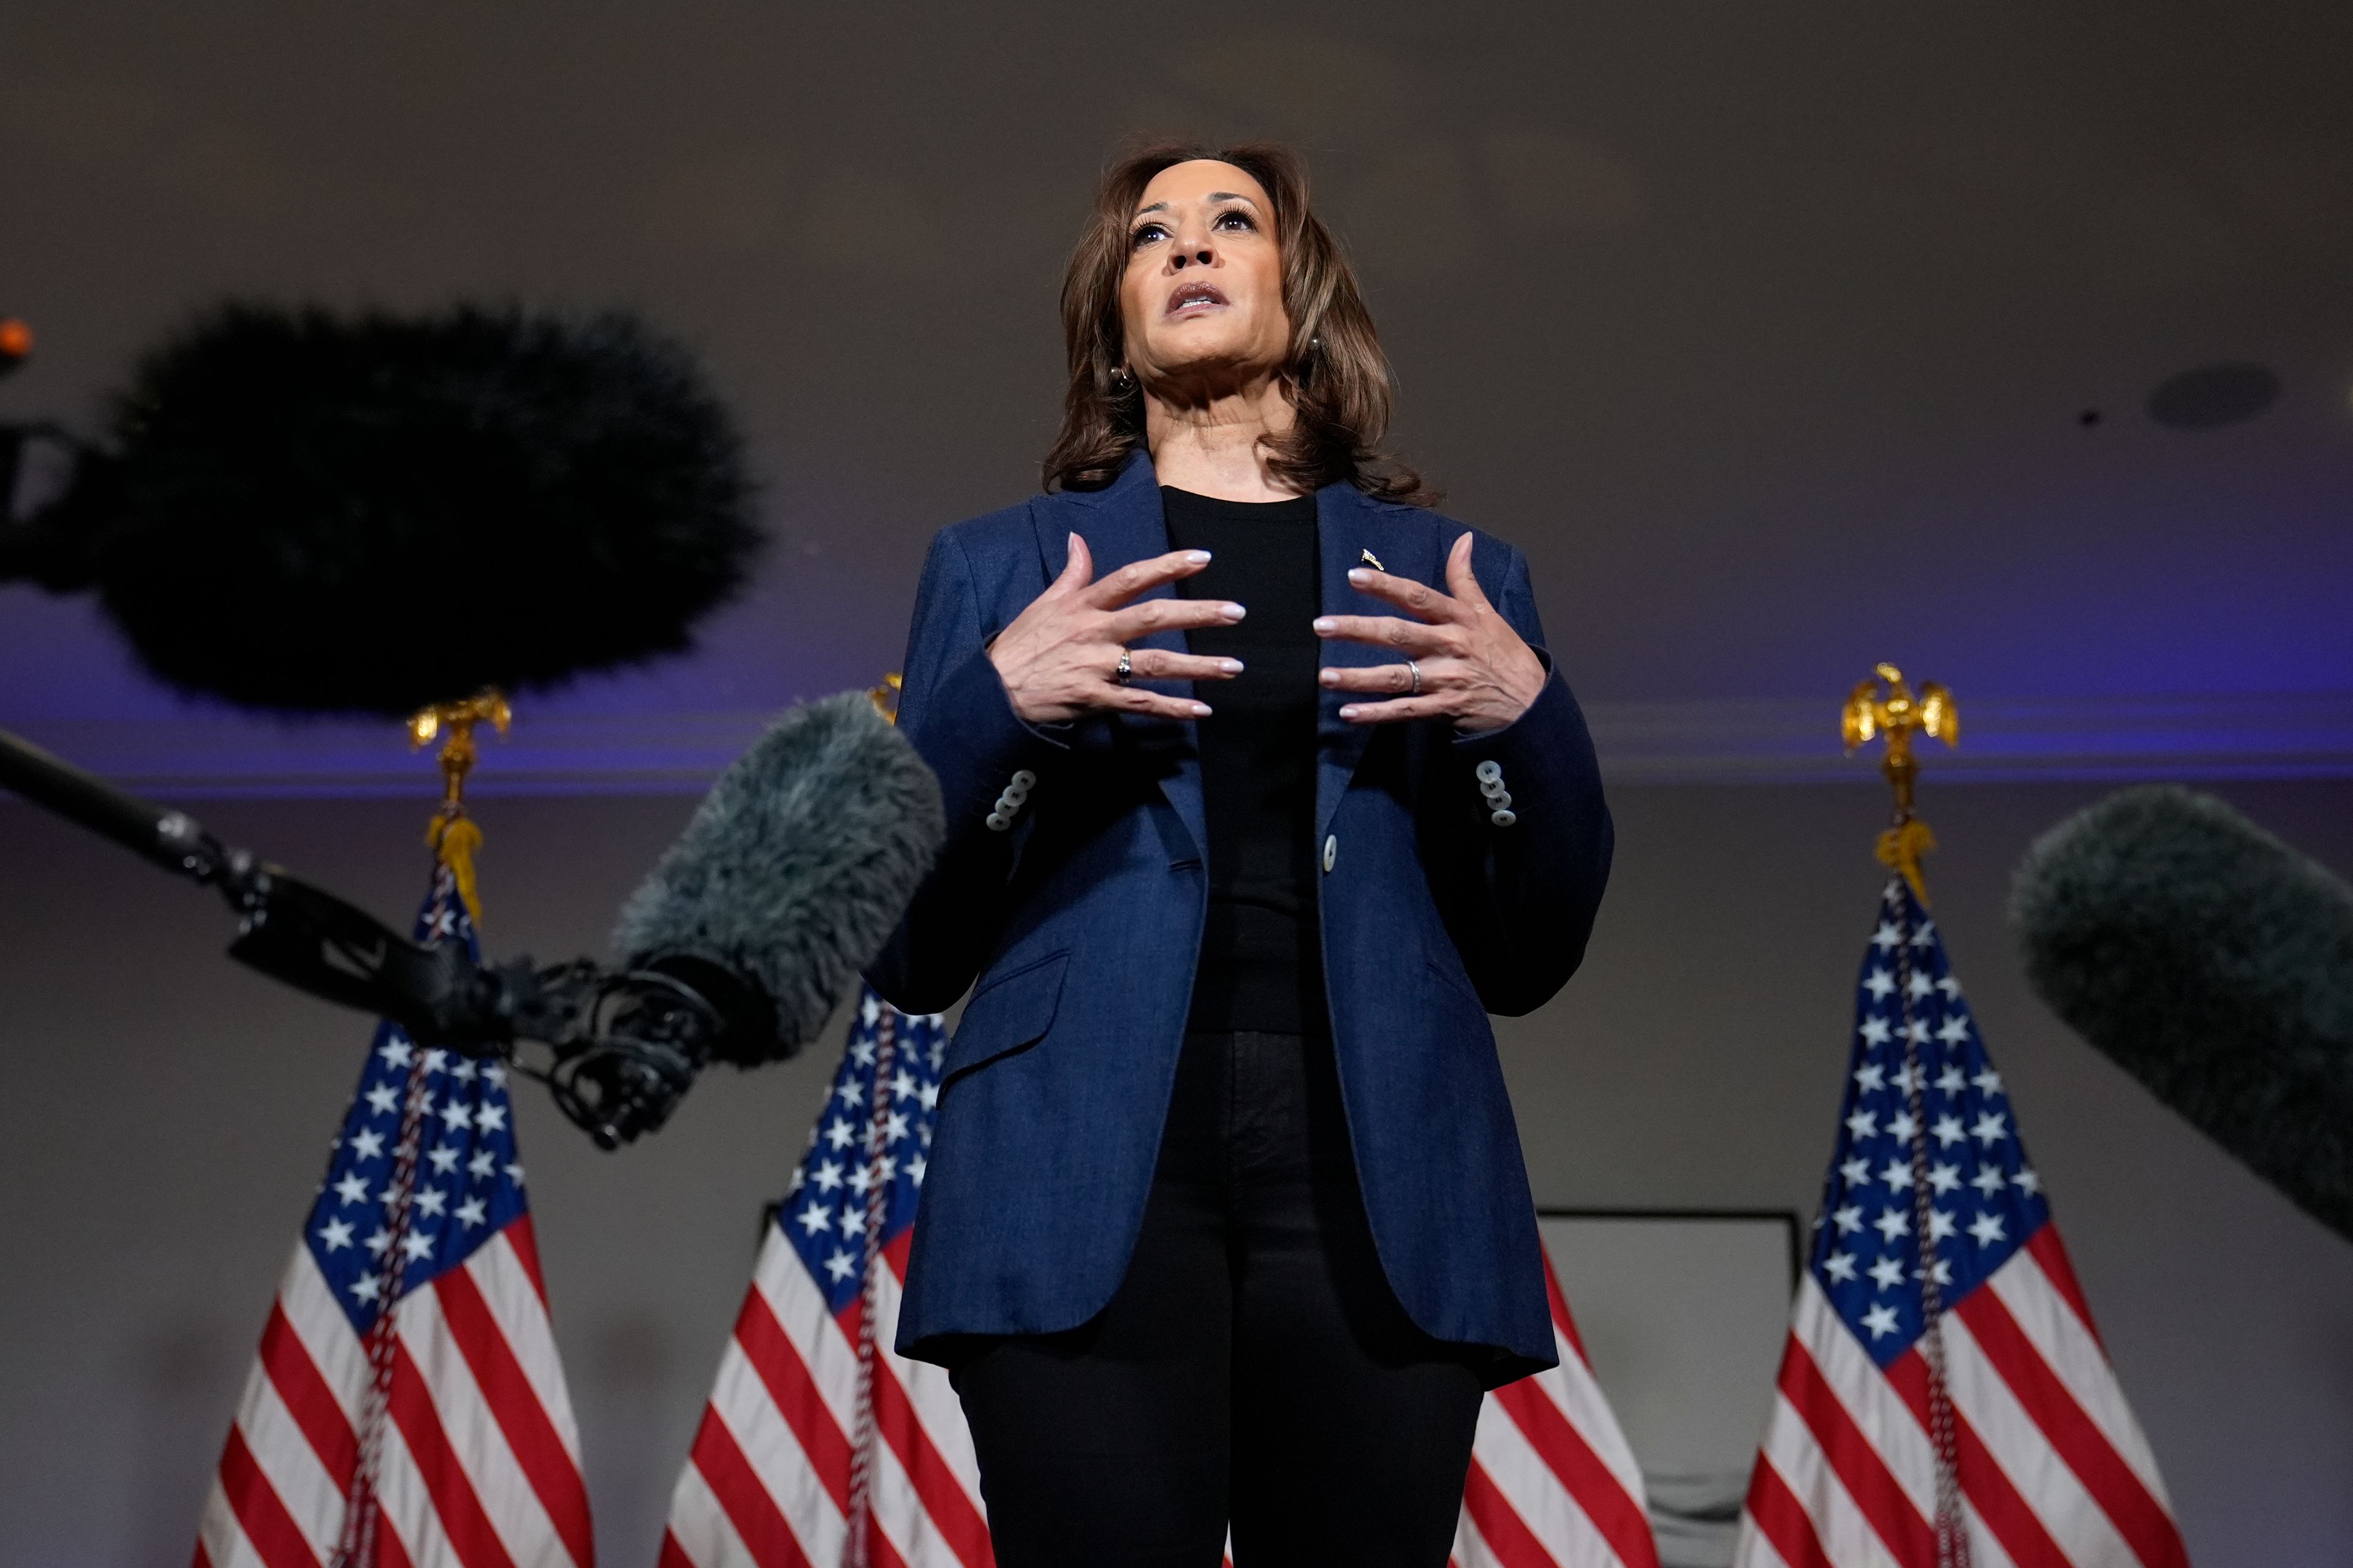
point(1254, 1368)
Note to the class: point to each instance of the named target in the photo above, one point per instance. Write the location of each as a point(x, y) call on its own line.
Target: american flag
point(446, 1423)
point(820, 1447)
point(1964, 1411)
point(1552, 1483)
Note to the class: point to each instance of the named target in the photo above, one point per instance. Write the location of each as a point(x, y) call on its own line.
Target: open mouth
point(1192, 297)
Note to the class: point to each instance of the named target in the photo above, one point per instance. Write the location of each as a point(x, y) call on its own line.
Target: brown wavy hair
point(1340, 383)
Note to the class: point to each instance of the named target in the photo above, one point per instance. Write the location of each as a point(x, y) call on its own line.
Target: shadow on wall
point(623, 1388)
point(174, 1387)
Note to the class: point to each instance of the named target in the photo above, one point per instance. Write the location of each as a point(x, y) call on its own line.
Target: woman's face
point(1202, 296)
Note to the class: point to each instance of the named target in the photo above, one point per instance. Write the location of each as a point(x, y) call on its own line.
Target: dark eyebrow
point(1212, 196)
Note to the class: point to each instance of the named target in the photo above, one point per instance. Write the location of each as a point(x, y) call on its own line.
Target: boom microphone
point(2215, 965)
point(792, 874)
point(309, 512)
point(785, 883)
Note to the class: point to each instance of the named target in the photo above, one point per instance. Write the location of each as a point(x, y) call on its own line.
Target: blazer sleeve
point(1521, 893)
point(955, 711)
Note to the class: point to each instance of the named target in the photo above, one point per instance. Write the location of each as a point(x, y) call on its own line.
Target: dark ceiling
point(1785, 337)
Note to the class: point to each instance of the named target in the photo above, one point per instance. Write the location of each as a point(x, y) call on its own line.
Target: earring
point(1121, 381)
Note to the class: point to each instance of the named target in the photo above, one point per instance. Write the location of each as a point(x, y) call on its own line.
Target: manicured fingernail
point(1348, 712)
point(1232, 612)
point(1200, 710)
point(1324, 625)
point(1329, 677)
point(1359, 576)
point(1230, 666)
point(1198, 557)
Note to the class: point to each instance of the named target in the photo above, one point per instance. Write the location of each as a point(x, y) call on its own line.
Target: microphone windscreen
point(2215, 965)
point(312, 512)
point(797, 866)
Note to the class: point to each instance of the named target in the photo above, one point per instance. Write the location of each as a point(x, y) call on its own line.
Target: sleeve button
point(1331, 851)
point(1490, 770)
point(1503, 819)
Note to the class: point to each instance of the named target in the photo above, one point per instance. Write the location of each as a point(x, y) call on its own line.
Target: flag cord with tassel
point(356, 1546)
point(855, 1549)
point(1952, 1536)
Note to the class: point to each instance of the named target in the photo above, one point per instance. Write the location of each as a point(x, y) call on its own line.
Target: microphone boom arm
point(289, 929)
point(624, 1045)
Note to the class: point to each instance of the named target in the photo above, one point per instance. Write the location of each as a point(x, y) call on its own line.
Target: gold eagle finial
point(453, 836)
point(1885, 706)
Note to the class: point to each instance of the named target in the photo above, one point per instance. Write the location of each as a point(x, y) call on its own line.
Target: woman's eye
point(1145, 236)
point(1237, 219)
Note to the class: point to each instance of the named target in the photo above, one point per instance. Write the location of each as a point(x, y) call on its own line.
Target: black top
point(1262, 965)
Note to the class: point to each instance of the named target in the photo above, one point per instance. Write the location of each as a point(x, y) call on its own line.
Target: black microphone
point(2215, 965)
point(302, 511)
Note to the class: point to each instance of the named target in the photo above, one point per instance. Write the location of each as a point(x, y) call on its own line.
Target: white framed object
point(1683, 1314)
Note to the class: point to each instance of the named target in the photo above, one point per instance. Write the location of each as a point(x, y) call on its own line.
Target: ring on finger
point(1125, 670)
point(1414, 671)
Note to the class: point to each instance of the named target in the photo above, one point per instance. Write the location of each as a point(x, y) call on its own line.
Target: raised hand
point(1060, 659)
point(1475, 668)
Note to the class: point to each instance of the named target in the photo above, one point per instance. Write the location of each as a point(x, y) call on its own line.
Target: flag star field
point(469, 1179)
point(1985, 1200)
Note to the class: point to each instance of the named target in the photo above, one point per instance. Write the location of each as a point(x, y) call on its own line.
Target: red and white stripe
point(481, 1457)
point(1552, 1483)
point(2054, 1472)
point(768, 1483)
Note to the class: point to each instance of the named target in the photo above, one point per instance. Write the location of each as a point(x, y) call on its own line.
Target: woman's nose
point(1199, 256)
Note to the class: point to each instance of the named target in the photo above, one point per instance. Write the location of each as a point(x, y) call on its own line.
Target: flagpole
point(1885, 705)
point(453, 838)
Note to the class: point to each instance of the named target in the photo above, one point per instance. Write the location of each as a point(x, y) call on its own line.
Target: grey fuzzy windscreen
point(2215, 965)
point(797, 864)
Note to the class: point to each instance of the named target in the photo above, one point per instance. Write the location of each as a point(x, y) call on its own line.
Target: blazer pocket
point(1009, 1013)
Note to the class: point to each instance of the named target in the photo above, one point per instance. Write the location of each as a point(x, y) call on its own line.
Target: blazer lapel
point(1123, 523)
point(1350, 527)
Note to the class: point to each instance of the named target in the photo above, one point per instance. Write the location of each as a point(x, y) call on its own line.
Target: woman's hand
point(1475, 670)
point(1060, 659)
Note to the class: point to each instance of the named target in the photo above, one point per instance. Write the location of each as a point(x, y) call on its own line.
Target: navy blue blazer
point(1071, 889)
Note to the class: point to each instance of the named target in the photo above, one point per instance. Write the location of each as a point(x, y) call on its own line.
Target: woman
point(1261, 795)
